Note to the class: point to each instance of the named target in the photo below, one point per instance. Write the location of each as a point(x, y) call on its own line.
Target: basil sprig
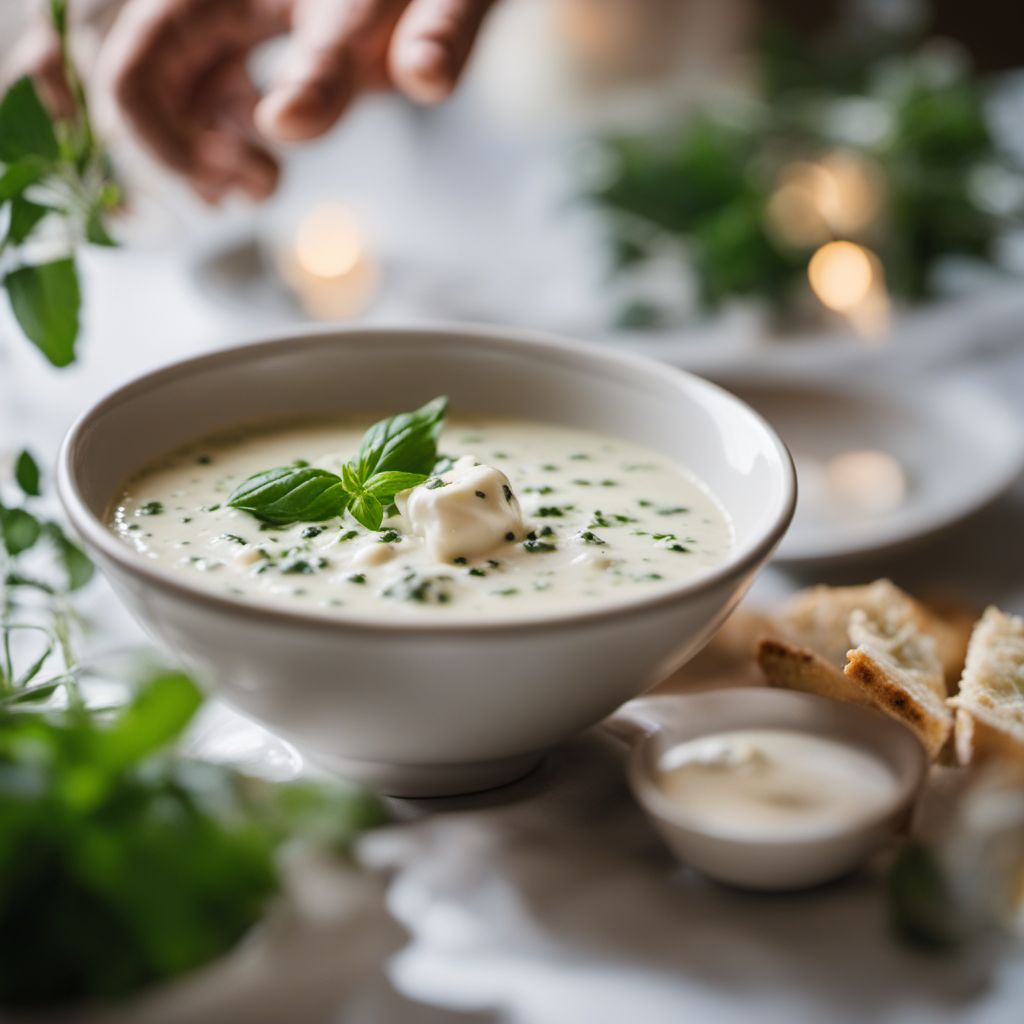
point(52, 172)
point(395, 454)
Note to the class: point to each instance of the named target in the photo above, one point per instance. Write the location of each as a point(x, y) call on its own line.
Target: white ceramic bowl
point(422, 708)
point(653, 725)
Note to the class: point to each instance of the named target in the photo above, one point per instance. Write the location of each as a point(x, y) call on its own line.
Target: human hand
point(178, 71)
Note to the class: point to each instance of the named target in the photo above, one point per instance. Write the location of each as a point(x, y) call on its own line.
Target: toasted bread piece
point(898, 668)
point(819, 618)
point(990, 704)
point(893, 665)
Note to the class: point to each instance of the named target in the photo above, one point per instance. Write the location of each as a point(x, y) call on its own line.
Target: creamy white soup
point(766, 784)
point(517, 518)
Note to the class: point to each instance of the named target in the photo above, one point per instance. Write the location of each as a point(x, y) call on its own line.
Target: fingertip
point(297, 112)
point(425, 70)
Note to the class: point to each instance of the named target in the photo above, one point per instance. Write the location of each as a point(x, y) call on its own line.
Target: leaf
point(45, 300)
point(350, 479)
point(921, 905)
point(96, 231)
point(20, 530)
point(59, 16)
point(367, 510)
point(78, 568)
point(406, 442)
point(291, 494)
point(18, 176)
point(15, 579)
point(26, 473)
point(25, 126)
point(158, 714)
point(24, 217)
point(386, 485)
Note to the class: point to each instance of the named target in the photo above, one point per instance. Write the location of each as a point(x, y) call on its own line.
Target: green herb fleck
point(421, 589)
point(303, 566)
point(151, 508)
point(533, 545)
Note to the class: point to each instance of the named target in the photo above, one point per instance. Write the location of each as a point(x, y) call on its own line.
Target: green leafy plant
point(922, 909)
point(36, 619)
point(56, 187)
point(395, 454)
point(122, 864)
point(703, 189)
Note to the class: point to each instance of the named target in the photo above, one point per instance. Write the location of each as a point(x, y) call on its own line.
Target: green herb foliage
point(55, 179)
point(124, 865)
point(922, 909)
point(121, 864)
point(701, 189)
point(395, 454)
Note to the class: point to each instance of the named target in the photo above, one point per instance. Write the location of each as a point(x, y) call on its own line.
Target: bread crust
point(989, 707)
point(869, 645)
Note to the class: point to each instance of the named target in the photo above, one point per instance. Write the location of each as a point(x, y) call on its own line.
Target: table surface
point(555, 902)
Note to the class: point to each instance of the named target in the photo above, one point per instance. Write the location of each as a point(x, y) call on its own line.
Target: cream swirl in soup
point(518, 518)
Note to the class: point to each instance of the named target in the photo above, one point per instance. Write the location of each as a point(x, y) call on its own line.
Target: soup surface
point(519, 517)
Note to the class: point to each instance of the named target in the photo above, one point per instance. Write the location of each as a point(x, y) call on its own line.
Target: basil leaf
point(25, 126)
point(96, 231)
point(291, 494)
point(24, 217)
point(20, 530)
point(157, 715)
point(78, 569)
point(45, 301)
point(351, 480)
point(386, 485)
point(406, 442)
point(18, 176)
point(367, 510)
point(26, 473)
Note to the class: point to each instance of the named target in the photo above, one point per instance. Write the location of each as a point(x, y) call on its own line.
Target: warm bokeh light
point(841, 194)
point(329, 265)
point(849, 193)
point(842, 275)
point(328, 242)
point(867, 481)
point(848, 279)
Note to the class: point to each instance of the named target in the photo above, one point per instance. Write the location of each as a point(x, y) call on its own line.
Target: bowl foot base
point(431, 780)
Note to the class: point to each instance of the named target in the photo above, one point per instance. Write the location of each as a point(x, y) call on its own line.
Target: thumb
point(321, 68)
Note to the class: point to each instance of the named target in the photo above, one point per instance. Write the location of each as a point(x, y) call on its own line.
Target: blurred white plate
point(881, 468)
point(928, 335)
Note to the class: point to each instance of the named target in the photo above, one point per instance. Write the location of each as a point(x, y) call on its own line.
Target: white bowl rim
point(95, 531)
